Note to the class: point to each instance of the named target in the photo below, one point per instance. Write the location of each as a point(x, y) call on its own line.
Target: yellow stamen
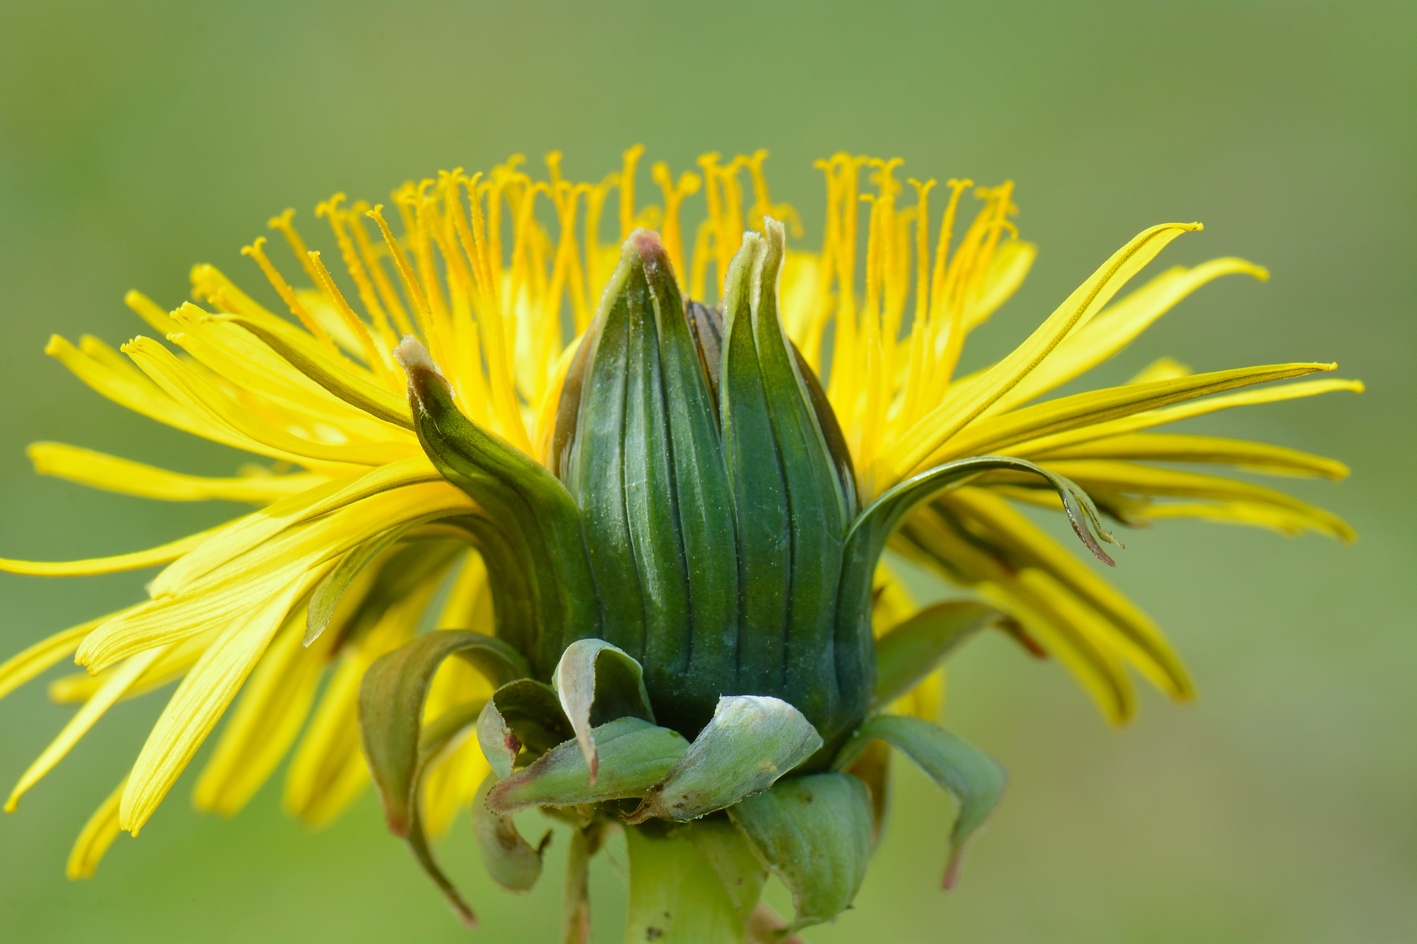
point(292, 236)
point(627, 191)
point(410, 281)
point(286, 293)
point(387, 294)
point(330, 209)
point(372, 355)
point(674, 194)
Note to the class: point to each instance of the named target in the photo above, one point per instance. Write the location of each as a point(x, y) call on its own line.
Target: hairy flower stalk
point(655, 505)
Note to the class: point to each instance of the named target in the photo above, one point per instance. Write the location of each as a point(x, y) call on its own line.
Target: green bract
point(683, 643)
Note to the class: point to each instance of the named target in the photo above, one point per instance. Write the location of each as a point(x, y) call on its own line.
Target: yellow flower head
point(510, 285)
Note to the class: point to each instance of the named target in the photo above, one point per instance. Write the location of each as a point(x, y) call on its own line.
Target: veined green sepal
point(790, 507)
point(645, 466)
point(868, 534)
point(596, 683)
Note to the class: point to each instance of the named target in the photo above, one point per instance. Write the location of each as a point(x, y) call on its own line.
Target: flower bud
point(715, 490)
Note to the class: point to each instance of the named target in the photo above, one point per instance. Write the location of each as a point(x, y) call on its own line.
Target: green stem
point(576, 891)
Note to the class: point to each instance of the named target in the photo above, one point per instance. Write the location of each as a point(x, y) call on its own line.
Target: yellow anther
point(292, 236)
point(372, 355)
point(283, 289)
point(627, 191)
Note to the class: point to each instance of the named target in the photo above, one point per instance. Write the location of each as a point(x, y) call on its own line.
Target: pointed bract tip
point(776, 232)
point(647, 243)
point(952, 869)
point(418, 364)
point(413, 357)
point(649, 248)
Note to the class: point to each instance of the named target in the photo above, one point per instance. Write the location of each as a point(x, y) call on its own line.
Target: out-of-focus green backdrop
point(136, 139)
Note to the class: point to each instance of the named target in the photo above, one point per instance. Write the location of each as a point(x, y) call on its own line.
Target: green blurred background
point(136, 139)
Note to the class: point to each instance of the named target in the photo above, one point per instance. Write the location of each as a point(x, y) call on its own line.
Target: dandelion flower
point(647, 485)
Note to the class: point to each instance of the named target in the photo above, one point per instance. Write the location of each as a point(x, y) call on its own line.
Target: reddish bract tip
point(648, 244)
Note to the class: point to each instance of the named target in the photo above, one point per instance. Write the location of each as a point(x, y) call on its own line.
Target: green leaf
point(751, 742)
point(596, 683)
point(513, 863)
point(398, 747)
point(694, 884)
point(533, 509)
point(524, 715)
point(636, 756)
point(814, 833)
point(975, 779)
point(912, 649)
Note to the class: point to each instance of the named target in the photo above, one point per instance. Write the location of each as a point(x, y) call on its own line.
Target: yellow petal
point(1171, 414)
point(189, 388)
point(169, 620)
point(170, 666)
point(1254, 514)
point(328, 771)
point(80, 723)
point(241, 358)
point(201, 699)
point(128, 388)
point(266, 721)
point(136, 560)
point(1068, 632)
point(20, 668)
point(95, 838)
point(327, 497)
point(1134, 478)
point(1181, 447)
point(1099, 406)
point(1115, 327)
point(1133, 633)
point(97, 470)
point(968, 399)
point(304, 354)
